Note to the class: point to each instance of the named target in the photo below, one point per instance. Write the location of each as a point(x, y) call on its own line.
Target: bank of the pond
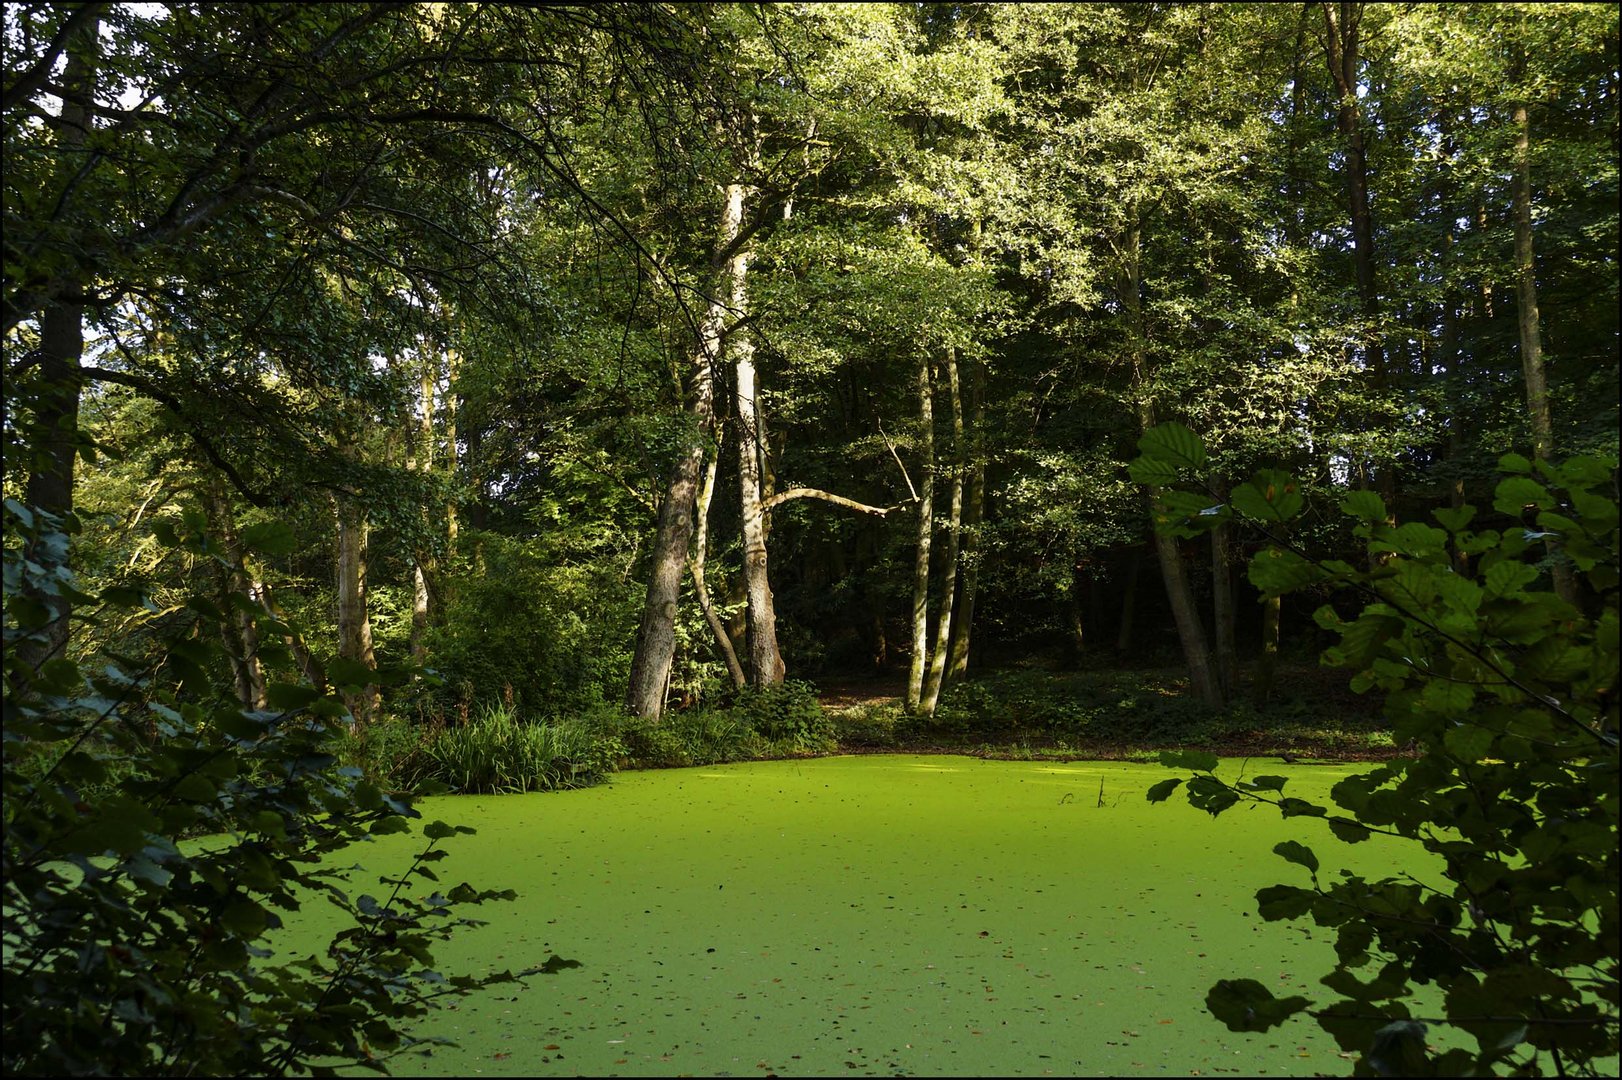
point(875, 915)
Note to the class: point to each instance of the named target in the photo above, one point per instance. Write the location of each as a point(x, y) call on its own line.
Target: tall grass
point(498, 753)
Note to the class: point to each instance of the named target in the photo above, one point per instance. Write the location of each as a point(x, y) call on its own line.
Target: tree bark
point(1129, 604)
point(1526, 302)
point(765, 661)
point(239, 630)
point(61, 345)
point(1190, 630)
point(973, 515)
point(926, 527)
point(656, 637)
point(421, 616)
point(1222, 615)
point(354, 623)
point(1342, 41)
point(949, 572)
point(701, 543)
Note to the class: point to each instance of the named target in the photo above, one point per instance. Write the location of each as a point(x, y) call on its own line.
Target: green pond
point(879, 915)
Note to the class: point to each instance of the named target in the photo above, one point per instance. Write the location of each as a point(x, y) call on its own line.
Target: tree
point(1503, 688)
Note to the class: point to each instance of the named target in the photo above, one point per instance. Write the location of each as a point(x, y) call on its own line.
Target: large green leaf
point(1247, 1005)
point(1174, 444)
point(1272, 495)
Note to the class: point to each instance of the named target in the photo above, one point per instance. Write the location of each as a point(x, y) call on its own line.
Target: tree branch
point(826, 496)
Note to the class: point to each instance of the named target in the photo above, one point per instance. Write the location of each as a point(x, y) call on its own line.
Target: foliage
point(498, 753)
point(787, 715)
point(1508, 693)
point(130, 948)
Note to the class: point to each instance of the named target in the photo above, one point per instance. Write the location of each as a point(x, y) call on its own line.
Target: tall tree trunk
point(1526, 302)
point(354, 623)
point(765, 661)
point(239, 630)
point(656, 637)
point(1222, 615)
point(949, 572)
point(420, 599)
point(1190, 630)
point(701, 543)
point(61, 344)
point(973, 514)
point(1129, 604)
point(926, 529)
point(1342, 40)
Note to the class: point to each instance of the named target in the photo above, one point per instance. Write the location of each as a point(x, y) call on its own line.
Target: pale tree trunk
point(701, 542)
point(973, 514)
point(61, 344)
point(1526, 297)
point(765, 661)
point(354, 624)
point(943, 626)
point(656, 637)
point(452, 454)
point(420, 614)
point(926, 528)
point(1190, 631)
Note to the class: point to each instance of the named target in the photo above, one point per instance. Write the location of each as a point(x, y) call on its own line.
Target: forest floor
point(1312, 716)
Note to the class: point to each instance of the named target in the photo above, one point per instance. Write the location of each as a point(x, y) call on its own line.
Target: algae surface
point(877, 916)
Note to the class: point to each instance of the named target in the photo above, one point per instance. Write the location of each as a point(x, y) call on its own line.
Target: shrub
point(129, 951)
point(498, 753)
point(788, 715)
point(1508, 692)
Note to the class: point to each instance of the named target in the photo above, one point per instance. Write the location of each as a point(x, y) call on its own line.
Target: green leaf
point(1399, 1050)
point(1365, 505)
point(1271, 495)
point(1468, 743)
point(289, 696)
point(1275, 571)
point(1348, 830)
point(1297, 853)
point(270, 538)
point(1162, 791)
point(1175, 444)
point(1514, 463)
point(1152, 472)
point(1516, 493)
point(1454, 520)
point(1247, 1005)
point(1283, 902)
point(342, 671)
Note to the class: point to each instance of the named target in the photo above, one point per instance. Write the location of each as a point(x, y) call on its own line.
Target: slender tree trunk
point(1129, 604)
point(1190, 630)
point(1076, 615)
point(765, 661)
point(61, 345)
point(949, 572)
point(354, 623)
point(421, 616)
point(239, 630)
point(701, 542)
point(656, 638)
point(1526, 298)
point(1343, 29)
point(973, 514)
point(308, 664)
point(926, 528)
point(1226, 659)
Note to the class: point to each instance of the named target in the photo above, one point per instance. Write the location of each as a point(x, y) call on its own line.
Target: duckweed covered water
point(891, 915)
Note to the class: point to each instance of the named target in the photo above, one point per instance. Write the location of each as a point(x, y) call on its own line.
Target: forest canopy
point(614, 360)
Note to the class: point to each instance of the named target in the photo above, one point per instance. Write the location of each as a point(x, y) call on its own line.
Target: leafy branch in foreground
point(1507, 693)
point(155, 830)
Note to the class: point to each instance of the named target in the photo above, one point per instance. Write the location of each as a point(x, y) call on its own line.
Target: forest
point(410, 399)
